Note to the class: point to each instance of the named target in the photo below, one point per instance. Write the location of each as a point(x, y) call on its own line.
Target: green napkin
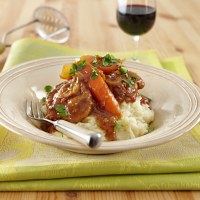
point(26, 165)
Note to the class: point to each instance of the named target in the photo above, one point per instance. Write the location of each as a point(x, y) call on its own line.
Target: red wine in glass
point(136, 19)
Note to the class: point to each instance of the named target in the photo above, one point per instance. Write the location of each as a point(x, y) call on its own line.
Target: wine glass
point(136, 17)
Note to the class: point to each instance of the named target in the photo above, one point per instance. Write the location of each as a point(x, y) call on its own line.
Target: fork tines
point(33, 109)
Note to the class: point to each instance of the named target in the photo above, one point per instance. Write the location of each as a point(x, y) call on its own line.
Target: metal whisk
point(50, 25)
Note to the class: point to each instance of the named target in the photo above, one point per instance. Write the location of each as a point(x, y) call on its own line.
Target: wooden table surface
point(94, 27)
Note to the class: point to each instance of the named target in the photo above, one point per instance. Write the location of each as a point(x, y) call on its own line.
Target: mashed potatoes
point(134, 122)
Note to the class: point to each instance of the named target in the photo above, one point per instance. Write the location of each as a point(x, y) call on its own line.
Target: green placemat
point(26, 165)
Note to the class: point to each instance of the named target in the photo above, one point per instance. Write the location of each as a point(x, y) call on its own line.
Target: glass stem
point(136, 39)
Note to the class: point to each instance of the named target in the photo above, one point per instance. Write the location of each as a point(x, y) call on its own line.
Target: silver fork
point(92, 140)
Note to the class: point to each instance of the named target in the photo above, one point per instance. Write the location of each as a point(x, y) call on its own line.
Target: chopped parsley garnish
point(108, 60)
point(76, 67)
point(124, 71)
point(73, 70)
point(81, 64)
point(95, 61)
point(128, 82)
point(48, 88)
point(117, 124)
point(94, 74)
point(60, 108)
point(134, 78)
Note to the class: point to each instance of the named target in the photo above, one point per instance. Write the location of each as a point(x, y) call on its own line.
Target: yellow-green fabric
point(26, 165)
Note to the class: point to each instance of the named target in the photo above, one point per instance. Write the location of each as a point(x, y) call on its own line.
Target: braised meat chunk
point(124, 85)
point(71, 101)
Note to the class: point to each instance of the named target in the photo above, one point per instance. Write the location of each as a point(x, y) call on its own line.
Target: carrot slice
point(104, 96)
point(108, 69)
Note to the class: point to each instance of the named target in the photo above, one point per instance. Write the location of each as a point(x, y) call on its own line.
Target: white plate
point(176, 103)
